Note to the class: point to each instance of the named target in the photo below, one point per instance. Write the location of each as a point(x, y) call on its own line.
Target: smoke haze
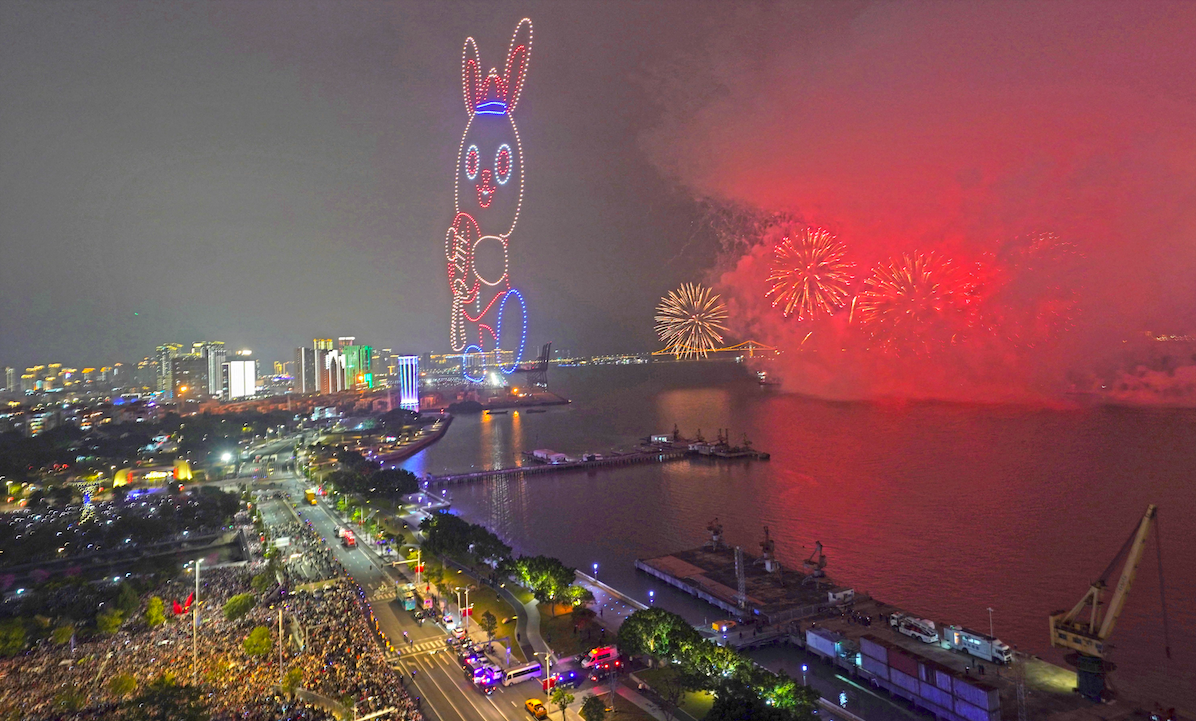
point(963, 129)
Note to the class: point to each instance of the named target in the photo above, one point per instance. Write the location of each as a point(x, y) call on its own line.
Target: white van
point(522, 673)
point(600, 655)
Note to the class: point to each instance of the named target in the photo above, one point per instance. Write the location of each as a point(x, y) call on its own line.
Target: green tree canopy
point(258, 642)
point(108, 621)
point(546, 577)
point(12, 637)
point(658, 633)
point(237, 606)
point(155, 614)
point(263, 582)
point(291, 680)
point(122, 685)
point(61, 635)
point(561, 699)
point(127, 600)
point(489, 624)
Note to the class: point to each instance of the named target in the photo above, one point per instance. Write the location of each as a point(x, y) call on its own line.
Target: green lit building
point(358, 370)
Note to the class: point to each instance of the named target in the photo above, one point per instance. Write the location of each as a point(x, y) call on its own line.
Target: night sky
point(265, 173)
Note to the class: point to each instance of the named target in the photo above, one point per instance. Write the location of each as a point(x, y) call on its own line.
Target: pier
point(517, 472)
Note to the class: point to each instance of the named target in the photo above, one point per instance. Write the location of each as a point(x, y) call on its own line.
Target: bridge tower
point(538, 374)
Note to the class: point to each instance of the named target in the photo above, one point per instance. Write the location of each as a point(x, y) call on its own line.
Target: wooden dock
point(518, 472)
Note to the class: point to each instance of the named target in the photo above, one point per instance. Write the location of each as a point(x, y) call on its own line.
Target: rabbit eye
point(471, 162)
point(502, 164)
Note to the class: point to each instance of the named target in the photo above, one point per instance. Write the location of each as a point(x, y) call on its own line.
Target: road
point(438, 680)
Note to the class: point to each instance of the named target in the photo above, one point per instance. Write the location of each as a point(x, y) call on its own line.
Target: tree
point(489, 624)
point(12, 637)
point(122, 685)
point(237, 606)
point(258, 642)
point(658, 633)
point(155, 614)
point(561, 699)
point(108, 622)
point(126, 600)
point(546, 577)
point(291, 681)
point(263, 582)
point(593, 709)
point(61, 635)
point(70, 699)
point(164, 700)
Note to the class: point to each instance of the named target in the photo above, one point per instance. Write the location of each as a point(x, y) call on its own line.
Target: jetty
point(517, 472)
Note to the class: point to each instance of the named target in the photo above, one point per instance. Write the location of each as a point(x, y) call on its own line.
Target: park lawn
point(695, 703)
point(556, 626)
point(483, 598)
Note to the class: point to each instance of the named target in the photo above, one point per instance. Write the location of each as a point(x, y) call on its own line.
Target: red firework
point(912, 303)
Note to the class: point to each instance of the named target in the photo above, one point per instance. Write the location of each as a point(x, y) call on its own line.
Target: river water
point(943, 509)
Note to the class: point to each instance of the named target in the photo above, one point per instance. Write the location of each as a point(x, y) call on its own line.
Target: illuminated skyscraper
point(358, 368)
point(306, 380)
point(189, 377)
point(164, 354)
point(214, 354)
point(407, 376)
point(10, 380)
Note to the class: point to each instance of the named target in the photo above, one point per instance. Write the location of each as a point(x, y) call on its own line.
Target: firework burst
point(809, 275)
point(689, 321)
point(910, 303)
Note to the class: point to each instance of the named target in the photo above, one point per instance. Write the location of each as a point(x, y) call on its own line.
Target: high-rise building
point(407, 375)
point(358, 370)
point(214, 353)
point(189, 377)
point(332, 378)
point(345, 341)
point(164, 353)
point(305, 371)
point(322, 343)
point(241, 378)
point(10, 380)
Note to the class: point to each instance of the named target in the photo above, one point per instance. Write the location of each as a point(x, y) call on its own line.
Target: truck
point(914, 627)
point(310, 496)
point(977, 644)
point(348, 540)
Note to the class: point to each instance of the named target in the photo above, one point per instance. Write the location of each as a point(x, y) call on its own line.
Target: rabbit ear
point(471, 75)
point(517, 60)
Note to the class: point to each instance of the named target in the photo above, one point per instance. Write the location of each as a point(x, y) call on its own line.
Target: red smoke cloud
point(956, 128)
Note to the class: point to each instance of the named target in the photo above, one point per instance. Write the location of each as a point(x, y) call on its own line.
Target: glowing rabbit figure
point(487, 313)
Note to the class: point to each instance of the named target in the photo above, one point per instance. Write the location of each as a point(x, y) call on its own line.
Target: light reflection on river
point(945, 509)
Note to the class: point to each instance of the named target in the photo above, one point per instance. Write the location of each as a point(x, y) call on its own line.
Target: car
point(459, 633)
point(536, 708)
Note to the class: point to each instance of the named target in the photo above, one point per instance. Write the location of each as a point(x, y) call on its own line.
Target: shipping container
point(942, 679)
point(872, 646)
point(937, 695)
point(823, 642)
point(974, 713)
point(903, 662)
point(977, 694)
point(877, 668)
point(905, 681)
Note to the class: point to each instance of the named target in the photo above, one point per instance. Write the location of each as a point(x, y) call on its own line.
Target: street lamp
point(595, 570)
point(651, 596)
point(195, 625)
point(547, 661)
point(804, 668)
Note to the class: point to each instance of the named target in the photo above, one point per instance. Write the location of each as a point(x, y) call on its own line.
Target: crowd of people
point(329, 636)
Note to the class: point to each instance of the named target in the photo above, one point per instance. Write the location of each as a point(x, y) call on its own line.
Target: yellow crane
point(1086, 628)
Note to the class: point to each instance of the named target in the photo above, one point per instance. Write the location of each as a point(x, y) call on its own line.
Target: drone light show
point(488, 313)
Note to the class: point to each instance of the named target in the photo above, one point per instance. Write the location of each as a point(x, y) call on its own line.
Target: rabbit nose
point(486, 188)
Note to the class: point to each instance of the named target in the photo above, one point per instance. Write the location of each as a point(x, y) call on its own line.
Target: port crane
point(1086, 628)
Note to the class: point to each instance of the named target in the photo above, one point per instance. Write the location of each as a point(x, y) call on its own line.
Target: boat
point(762, 379)
point(496, 412)
point(535, 410)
